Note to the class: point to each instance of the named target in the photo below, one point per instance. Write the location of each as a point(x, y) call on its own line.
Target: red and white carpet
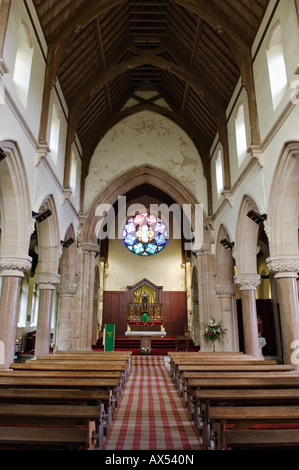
point(151, 415)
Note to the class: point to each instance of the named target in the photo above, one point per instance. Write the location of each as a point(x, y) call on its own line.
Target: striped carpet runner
point(151, 415)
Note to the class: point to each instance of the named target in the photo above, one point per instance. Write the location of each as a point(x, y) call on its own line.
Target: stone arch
point(47, 278)
point(224, 258)
point(49, 247)
point(283, 211)
point(136, 177)
point(247, 279)
point(16, 229)
point(282, 229)
point(15, 204)
point(246, 238)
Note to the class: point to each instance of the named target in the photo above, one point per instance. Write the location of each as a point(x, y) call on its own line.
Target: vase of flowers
point(145, 351)
point(214, 332)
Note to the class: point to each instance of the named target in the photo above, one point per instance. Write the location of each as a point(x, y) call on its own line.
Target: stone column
point(66, 291)
point(46, 284)
point(89, 250)
point(207, 300)
point(247, 284)
point(12, 276)
point(285, 270)
point(226, 294)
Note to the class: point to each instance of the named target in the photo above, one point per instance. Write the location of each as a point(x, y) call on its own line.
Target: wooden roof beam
point(216, 17)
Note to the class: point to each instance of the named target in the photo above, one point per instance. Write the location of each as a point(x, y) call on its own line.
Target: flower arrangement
point(214, 331)
point(145, 351)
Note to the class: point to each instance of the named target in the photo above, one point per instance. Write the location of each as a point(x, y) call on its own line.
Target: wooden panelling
point(174, 308)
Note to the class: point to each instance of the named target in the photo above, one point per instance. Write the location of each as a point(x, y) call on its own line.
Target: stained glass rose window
point(145, 235)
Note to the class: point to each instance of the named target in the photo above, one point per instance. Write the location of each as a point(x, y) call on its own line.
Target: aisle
point(151, 415)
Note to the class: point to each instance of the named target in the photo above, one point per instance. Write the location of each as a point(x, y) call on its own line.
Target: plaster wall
point(145, 138)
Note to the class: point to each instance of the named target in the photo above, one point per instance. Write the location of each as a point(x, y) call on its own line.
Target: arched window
point(241, 138)
point(276, 65)
point(23, 63)
point(219, 173)
point(145, 235)
point(55, 130)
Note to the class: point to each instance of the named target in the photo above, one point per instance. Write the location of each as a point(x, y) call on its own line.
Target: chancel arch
point(148, 186)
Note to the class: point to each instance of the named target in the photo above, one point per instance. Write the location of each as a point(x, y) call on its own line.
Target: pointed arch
point(246, 238)
point(134, 178)
point(49, 248)
point(15, 203)
point(283, 212)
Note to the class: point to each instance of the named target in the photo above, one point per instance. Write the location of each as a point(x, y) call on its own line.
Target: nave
point(180, 402)
point(151, 415)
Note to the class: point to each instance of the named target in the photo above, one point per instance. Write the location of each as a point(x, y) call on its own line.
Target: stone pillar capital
point(200, 250)
point(247, 281)
point(67, 289)
point(47, 281)
point(284, 266)
point(13, 266)
point(225, 290)
point(90, 248)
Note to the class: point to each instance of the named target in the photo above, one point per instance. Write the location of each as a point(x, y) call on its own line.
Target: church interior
point(149, 223)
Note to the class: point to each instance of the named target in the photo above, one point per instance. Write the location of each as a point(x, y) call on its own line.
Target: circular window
point(145, 235)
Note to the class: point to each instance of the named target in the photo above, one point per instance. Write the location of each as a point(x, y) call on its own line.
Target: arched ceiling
point(180, 58)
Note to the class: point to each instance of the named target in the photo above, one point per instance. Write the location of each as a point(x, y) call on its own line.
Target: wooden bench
point(181, 369)
point(31, 438)
point(55, 417)
point(213, 361)
point(247, 416)
point(285, 380)
point(204, 399)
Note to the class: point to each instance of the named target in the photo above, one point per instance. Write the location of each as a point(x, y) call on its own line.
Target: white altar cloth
point(146, 336)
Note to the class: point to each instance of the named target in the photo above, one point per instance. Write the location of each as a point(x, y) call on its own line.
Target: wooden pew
point(201, 368)
point(105, 366)
point(204, 399)
point(46, 416)
point(210, 360)
point(246, 416)
point(101, 398)
point(36, 438)
point(283, 380)
point(87, 357)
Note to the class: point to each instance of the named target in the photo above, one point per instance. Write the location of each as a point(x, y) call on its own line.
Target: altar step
point(160, 347)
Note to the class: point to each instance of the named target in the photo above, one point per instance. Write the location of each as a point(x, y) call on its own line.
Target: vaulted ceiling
point(180, 58)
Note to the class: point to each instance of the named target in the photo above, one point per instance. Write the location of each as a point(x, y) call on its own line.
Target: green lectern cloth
point(109, 337)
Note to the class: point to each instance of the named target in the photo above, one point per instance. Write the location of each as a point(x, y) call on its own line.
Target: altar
point(145, 331)
point(144, 300)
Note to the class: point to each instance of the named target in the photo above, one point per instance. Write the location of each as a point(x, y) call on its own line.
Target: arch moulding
point(136, 177)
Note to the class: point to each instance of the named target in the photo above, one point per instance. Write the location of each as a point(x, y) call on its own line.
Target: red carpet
point(151, 415)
